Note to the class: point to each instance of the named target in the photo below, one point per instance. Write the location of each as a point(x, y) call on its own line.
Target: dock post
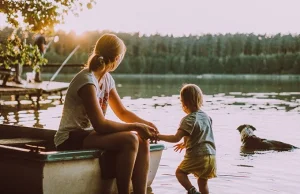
point(17, 98)
point(38, 97)
point(61, 97)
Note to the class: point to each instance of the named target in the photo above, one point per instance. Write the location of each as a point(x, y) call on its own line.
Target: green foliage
point(156, 54)
point(41, 14)
point(13, 52)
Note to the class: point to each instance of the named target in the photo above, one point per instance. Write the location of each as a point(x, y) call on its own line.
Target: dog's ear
point(241, 127)
point(253, 128)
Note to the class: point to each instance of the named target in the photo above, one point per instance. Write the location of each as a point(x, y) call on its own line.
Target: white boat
point(29, 164)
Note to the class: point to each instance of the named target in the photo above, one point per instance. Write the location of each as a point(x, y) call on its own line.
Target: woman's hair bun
point(101, 60)
point(96, 62)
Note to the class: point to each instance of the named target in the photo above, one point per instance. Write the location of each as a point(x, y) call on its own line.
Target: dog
point(251, 141)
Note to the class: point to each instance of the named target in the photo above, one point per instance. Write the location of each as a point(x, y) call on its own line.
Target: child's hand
point(154, 139)
point(179, 147)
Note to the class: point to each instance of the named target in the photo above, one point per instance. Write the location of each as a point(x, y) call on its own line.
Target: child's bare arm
point(173, 138)
point(184, 140)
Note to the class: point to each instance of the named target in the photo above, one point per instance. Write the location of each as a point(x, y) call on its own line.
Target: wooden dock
point(33, 89)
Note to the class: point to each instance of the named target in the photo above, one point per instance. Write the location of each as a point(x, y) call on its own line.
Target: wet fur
point(256, 143)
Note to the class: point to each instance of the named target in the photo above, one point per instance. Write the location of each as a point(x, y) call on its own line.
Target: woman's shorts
point(203, 167)
point(75, 140)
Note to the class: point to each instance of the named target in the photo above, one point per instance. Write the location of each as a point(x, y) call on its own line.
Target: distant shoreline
point(72, 69)
point(217, 76)
point(201, 76)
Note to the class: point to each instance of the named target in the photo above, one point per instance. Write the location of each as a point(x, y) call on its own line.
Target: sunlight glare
point(179, 17)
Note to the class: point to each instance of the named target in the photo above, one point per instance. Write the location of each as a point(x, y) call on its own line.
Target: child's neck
point(189, 111)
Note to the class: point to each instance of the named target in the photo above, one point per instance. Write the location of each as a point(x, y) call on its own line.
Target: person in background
point(18, 67)
point(196, 129)
point(84, 126)
point(40, 42)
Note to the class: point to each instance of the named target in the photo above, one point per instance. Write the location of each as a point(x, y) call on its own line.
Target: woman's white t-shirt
point(74, 116)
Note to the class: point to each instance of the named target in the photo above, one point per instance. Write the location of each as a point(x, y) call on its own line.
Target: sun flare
point(179, 17)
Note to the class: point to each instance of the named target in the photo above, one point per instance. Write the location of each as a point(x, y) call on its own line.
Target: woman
point(83, 124)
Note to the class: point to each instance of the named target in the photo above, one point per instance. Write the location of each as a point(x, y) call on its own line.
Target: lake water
point(271, 104)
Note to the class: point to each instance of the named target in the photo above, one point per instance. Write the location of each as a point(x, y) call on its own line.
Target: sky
point(184, 17)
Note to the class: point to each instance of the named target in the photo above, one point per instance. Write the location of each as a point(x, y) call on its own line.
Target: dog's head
point(241, 127)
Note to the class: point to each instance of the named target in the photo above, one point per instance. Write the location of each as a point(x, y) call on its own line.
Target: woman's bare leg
point(106, 186)
point(141, 168)
point(126, 143)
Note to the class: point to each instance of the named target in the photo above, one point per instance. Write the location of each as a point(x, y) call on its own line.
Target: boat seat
point(21, 141)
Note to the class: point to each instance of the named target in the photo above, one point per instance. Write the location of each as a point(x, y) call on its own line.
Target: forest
point(193, 54)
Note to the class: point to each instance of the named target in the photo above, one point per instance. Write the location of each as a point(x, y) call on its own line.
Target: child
point(196, 128)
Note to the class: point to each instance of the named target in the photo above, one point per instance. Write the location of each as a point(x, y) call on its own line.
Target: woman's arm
point(98, 121)
point(173, 138)
point(121, 112)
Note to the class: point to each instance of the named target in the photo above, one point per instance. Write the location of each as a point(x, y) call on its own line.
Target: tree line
point(206, 53)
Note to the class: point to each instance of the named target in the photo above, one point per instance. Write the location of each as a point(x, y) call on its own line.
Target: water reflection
point(29, 114)
point(146, 87)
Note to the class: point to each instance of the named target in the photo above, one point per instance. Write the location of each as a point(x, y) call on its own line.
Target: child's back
point(201, 140)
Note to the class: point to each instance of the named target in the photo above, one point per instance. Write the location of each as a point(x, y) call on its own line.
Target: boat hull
point(48, 172)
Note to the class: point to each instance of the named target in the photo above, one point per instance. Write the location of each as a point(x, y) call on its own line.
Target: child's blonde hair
point(191, 96)
point(107, 48)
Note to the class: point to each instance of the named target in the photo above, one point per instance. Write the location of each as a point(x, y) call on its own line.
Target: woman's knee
point(131, 140)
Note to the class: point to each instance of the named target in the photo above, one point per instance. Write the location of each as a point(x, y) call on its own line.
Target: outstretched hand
point(179, 147)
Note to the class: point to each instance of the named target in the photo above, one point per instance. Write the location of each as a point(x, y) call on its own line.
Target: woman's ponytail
point(96, 62)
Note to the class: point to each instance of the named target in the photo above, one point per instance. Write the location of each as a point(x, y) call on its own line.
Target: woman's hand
point(153, 139)
point(179, 147)
point(153, 126)
point(146, 131)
